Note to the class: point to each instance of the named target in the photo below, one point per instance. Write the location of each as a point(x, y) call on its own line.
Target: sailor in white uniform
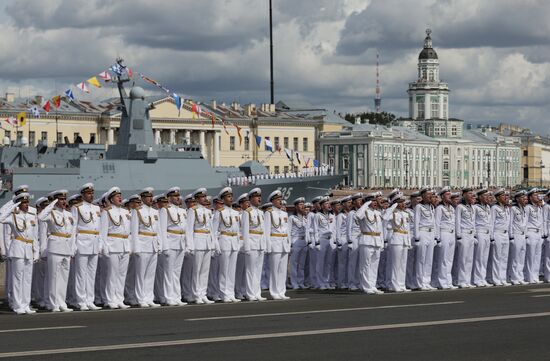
point(311, 262)
point(40, 269)
point(446, 241)
point(115, 232)
point(518, 228)
point(546, 238)
point(533, 236)
point(424, 224)
point(22, 251)
point(145, 243)
point(353, 234)
point(465, 238)
point(226, 226)
point(483, 238)
point(278, 246)
point(325, 238)
point(398, 244)
point(298, 239)
point(342, 242)
point(240, 274)
point(500, 241)
point(61, 248)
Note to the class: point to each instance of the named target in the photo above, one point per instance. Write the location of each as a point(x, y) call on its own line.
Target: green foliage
point(381, 118)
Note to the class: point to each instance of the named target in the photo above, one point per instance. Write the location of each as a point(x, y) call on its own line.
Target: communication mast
point(377, 99)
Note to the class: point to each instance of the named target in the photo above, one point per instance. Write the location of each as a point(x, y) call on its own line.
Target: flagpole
point(271, 52)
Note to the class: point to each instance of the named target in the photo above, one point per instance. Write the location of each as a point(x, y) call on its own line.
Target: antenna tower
point(377, 99)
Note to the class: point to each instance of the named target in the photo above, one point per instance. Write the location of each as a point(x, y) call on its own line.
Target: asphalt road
point(511, 323)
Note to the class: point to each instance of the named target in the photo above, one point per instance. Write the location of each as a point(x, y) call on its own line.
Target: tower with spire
point(429, 98)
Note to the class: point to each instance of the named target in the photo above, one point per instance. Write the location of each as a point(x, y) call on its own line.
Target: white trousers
point(324, 263)
point(369, 257)
point(499, 258)
point(101, 279)
point(167, 282)
point(481, 258)
point(410, 278)
point(21, 281)
point(227, 268)
point(39, 278)
point(443, 261)
point(278, 263)
point(116, 269)
point(265, 274)
point(424, 259)
point(84, 278)
point(253, 262)
point(298, 255)
point(186, 277)
point(240, 276)
point(343, 264)
point(130, 282)
point(58, 277)
point(213, 288)
point(353, 269)
point(517, 258)
point(546, 260)
point(464, 259)
point(312, 267)
point(533, 250)
point(396, 266)
point(381, 276)
point(201, 269)
point(145, 268)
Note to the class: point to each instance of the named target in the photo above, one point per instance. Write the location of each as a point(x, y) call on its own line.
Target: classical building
point(296, 129)
point(426, 149)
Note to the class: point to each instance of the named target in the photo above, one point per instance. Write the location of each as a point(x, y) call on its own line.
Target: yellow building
point(296, 130)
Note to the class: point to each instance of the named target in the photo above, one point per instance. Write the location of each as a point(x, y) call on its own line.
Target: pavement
point(497, 323)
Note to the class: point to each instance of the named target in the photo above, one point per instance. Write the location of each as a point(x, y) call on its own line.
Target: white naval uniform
point(397, 249)
point(410, 278)
point(172, 228)
point(88, 246)
point(500, 244)
point(226, 224)
point(115, 233)
point(240, 273)
point(465, 236)
point(145, 244)
point(299, 236)
point(324, 225)
point(254, 244)
point(445, 248)
point(370, 244)
point(199, 233)
point(61, 248)
point(424, 224)
point(546, 242)
point(518, 225)
point(483, 223)
point(353, 234)
point(22, 252)
point(278, 247)
point(40, 270)
point(311, 262)
point(533, 242)
point(341, 230)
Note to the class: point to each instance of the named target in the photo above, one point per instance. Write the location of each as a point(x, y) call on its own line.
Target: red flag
point(56, 101)
point(213, 120)
point(222, 119)
point(194, 109)
point(239, 134)
point(130, 72)
point(46, 106)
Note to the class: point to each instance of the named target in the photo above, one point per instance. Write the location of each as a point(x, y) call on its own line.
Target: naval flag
point(69, 94)
point(268, 145)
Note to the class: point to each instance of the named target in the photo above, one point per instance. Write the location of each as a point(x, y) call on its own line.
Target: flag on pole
point(149, 80)
point(213, 120)
point(258, 140)
point(70, 95)
point(129, 72)
point(56, 101)
point(93, 81)
point(11, 121)
point(298, 158)
point(278, 148)
point(177, 101)
point(307, 163)
point(268, 144)
point(239, 134)
point(194, 110)
point(288, 154)
point(35, 111)
point(222, 119)
point(82, 86)
point(117, 69)
point(105, 76)
point(46, 106)
point(316, 163)
point(22, 119)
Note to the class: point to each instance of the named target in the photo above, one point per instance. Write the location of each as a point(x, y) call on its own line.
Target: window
point(435, 107)
point(276, 144)
point(59, 137)
point(7, 134)
point(286, 168)
point(424, 77)
point(232, 142)
point(92, 138)
point(305, 145)
point(19, 135)
point(268, 170)
point(247, 143)
point(32, 138)
point(420, 106)
point(44, 137)
point(295, 143)
point(276, 169)
point(345, 149)
point(445, 151)
point(454, 130)
point(445, 165)
point(431, 75)
point(331, 149)
point(360, 161)
point(266, 139)
point(285, 142)
point(345, 163)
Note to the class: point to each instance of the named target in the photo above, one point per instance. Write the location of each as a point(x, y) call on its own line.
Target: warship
point(135, 161)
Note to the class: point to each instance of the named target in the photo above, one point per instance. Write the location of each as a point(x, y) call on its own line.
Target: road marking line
point(322, 311)
point(40, 329)
point(540, 296)
point(270, 335)
point(539, 290)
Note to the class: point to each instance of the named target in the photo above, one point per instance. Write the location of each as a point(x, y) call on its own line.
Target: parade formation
point(82, 252)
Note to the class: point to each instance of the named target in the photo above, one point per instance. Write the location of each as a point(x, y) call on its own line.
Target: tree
point(382, 118)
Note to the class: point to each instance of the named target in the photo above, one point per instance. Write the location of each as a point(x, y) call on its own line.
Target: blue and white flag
point(69, 94)
point(268, 145)
point(316, 163)
point(258, 140)
point(117, 69)
point(177, 100)
point(288, 153)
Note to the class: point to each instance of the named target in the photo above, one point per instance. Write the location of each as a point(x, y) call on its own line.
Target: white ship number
point(286, 192)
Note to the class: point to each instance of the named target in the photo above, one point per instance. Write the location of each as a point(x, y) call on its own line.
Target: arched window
point(431, 75)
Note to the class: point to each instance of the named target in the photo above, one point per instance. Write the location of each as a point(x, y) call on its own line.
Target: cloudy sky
point(495, 55)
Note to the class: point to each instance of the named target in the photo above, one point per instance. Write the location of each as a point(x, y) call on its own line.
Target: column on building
point(216, 149)
point(111, 136)
point(202, 143)
point(172, 136)
point(188, 136)
point(157, 136)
